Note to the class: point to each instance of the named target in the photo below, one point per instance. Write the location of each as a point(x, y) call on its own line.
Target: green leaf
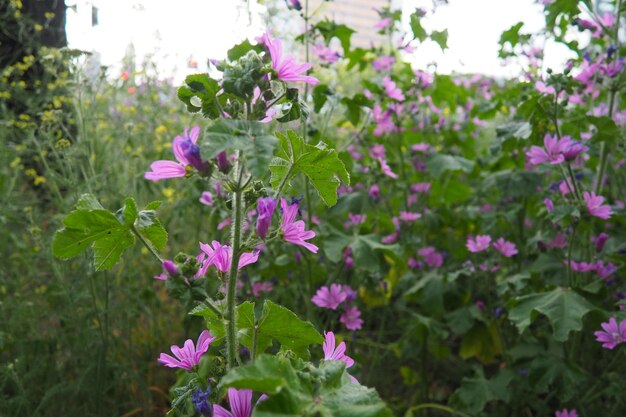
point(482, 342)
point(515, 183)
point(320, 96)
point(299, 389)
point(416, 26)
point(82, 228)
point(329, 29)
point(353, 107)
point(107, 251)
point(130, 211)
point(476, 392)
point(281, 324)
point(564, 309)
point(245, 320)
point(88, 202)
point(242, 49)
point(321, 165)
point(607, 130)
point(204, 89)
point(108, 235)
point(441, 37)
point(251, 137)
point(440, 163)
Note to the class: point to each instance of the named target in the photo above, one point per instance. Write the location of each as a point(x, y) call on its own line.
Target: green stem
point(569, 256)
point(573, 178)
point(235, 243)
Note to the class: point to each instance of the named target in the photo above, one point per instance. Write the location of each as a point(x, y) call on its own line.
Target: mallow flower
point(186, 152)
point(329, 297)
point(293, 230)
point(336, 353)
point(612, 334)
point(265, 208)
point(189, 355)
point(240, 401)
point(351, 318)
point(506, 248)
point(552, 151)
point(285, 66)
point(595, 206)
point(478, 244)
point(221, 256)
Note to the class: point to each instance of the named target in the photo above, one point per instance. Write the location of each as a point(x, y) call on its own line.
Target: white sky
point(173, 31)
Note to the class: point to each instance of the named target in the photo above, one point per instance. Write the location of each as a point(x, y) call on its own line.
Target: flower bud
point(265, 209)
point(221, 159)
point(170, 267)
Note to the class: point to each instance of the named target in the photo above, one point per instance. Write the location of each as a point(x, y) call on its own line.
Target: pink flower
point(335, 353)
point(325, 54)
point(384, 166)
point(261, 287)
point(293, 231)
point(383, 23)
point(329, 298)
point(552, 152)
point(221, 256)
point(170, 169)
point(384, 63)
point(613, 333)
point(432, 257)
point(479, 244)
point(595, 206)
point(351, 318)
point(285, 66)
point(206, 198)
point(389, 239)
point(507, 249)
point(357, 218)
point(392, 90)
point(407, 216)
point(189, 355)
point(565, 413)
point(581, 266)
point(384, 121)
point(420, 187)
point(549, 205)
point(240, 401)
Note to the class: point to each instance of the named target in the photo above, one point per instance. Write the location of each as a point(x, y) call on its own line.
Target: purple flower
point(383, 23)
point(595, 206)
point(325, 54)
point(330, 298)
point(407, 216)
point(565, 413)
point(170, 267)
point(265, 207)
point(506, 248)
point(189, 355)
point(200, 400)
point(285, 66)
point(374, 191)
point(182, 147)
point(293, 231)
point(221, 160)
point(552, 152)
point(221, 256)
point(613, 334)
point(351, 318)
point(599, 241)
point(240, 401)
point(384, 63)
point(432, 257)
point(357, 218)
point(573, 149)
point(206, 198)
point(295, 4)
point(479, 244)
point(335, 353)
point(392, 90)
point(549, 205)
